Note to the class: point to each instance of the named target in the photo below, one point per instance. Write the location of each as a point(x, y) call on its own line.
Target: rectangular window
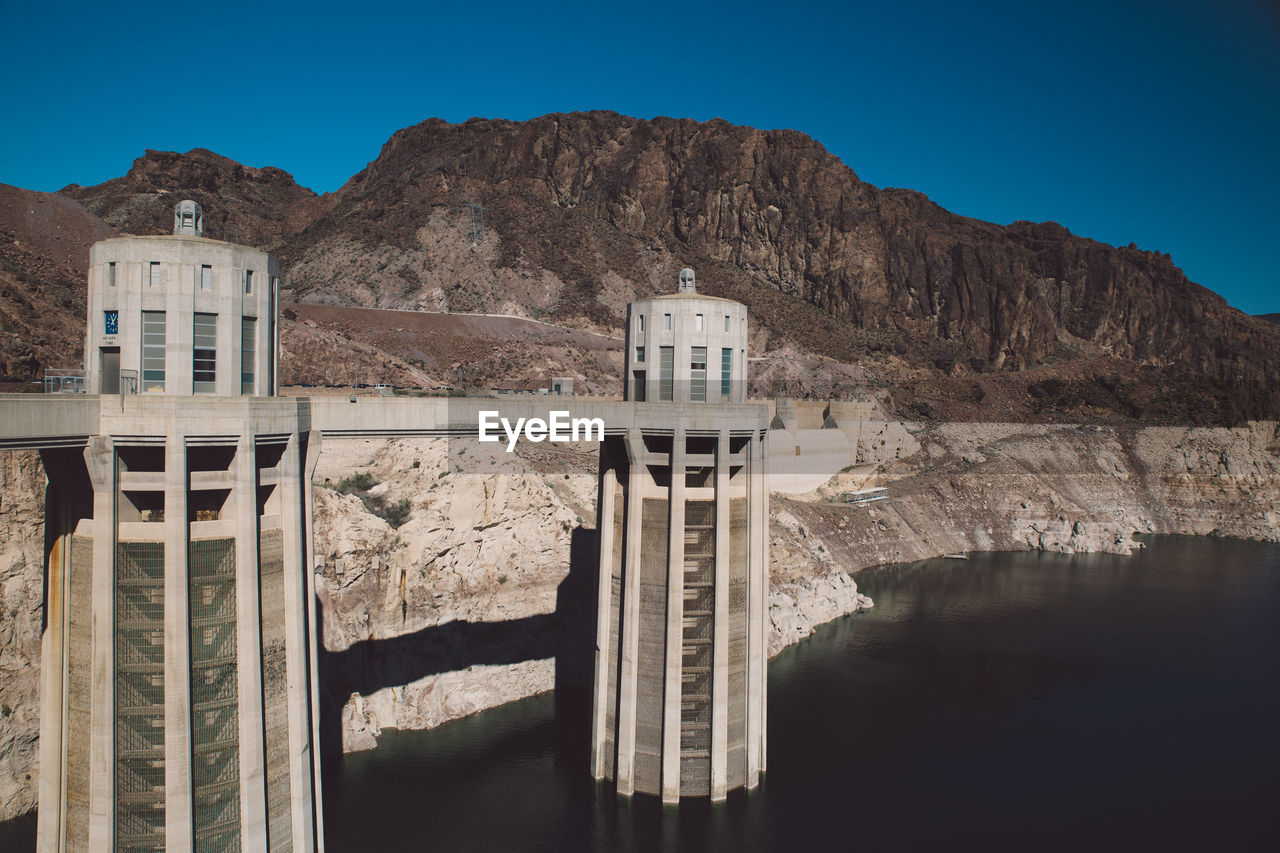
point(248, 353)
point(726, 371)
point(639, 355)
point(666, 322)
point(697, 323)
point(698, 374)
point(666, 366)
point(248, 281)
point(640, 320)
point(111, 274)
point(204, 354)
point(206, 277)
point(155, 275)
point(641, 391)
point(153, 350)
point(726, 322)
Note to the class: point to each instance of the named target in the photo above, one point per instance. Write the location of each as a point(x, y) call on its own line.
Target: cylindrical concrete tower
point(182, 314)
point(686, 348)
point(179, 687)
point(679, 701)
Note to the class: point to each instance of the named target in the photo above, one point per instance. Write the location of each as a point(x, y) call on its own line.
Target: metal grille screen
point(139, 696)
point(215, 733)
point(737, 758)
point(666, 372)
point(204, 353)
point(248, 359)
point(698, 622)
point(153, 350)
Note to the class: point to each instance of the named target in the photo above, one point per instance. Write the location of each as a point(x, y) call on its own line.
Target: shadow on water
point(567, 635)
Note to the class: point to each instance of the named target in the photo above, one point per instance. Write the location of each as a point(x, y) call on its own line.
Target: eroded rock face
point(44, 258)
point(485, 593)
point(21, 597)
point(778, 207)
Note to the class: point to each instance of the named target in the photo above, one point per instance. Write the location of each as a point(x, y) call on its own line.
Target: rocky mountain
point(568, 217)
point(255, 207)
point(1274, 318)
point(44, 256)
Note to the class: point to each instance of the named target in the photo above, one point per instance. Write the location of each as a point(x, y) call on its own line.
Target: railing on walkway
point(60, 380)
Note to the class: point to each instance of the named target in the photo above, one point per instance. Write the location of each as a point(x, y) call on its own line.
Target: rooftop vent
point(188, 218)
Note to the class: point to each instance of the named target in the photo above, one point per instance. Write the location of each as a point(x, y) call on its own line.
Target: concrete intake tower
point(679, 697)
point(179, 656)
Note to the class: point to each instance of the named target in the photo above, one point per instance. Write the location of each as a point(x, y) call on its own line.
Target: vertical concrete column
point(227, 363)
point(179, 335)
point(674, 645)
point(244, 509)
point(177, 645)
point(316, 842)
point(720, 647)
point(61, 487)
point(53, 662)
point(605, 645)
point(629, 616)
point(762, 513)
point(295, 525)
point(755, 605)
point(273, 337)
point(100, 459)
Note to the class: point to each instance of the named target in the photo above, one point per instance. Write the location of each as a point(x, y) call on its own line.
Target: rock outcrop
point(22, 600)
point(44, 257)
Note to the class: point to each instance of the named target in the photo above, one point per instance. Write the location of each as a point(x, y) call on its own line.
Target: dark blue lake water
point(1009, 702)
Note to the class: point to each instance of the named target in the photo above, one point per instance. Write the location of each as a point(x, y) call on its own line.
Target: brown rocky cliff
point(776, 207)
point(44, 258)
point(255, 207)
point(585, 211)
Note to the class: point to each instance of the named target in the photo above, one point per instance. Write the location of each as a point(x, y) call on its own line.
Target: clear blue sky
point(1151, 122)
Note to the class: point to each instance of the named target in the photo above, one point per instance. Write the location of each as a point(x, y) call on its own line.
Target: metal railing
point(60, 380)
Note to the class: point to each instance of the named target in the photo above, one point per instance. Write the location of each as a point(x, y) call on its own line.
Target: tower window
point(204, 355)
point(698, 374)
point(206, 277)
point(111, 274)
point(666, 366)
point(155, 275)
point(666, 322)
point(697, 323)
point(248, 281)
point(639, 355)
point(726, 371)
point(640, 323)
point(726, 322)
point(248, 353)
point(153, 330)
